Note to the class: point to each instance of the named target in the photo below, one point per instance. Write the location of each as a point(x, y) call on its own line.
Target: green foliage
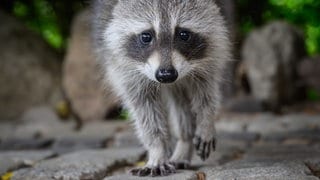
point(124, 114)
point(303, 13)
point(52, 19)
point(313, 95)
point(40, 17)
point(20, 9)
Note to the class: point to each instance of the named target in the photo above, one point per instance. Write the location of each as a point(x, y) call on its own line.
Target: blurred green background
point(52, 18)
point(303, 13)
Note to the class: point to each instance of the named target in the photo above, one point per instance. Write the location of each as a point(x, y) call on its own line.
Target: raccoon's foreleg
point(206, 103)
point(183, 126)
point(152, 128)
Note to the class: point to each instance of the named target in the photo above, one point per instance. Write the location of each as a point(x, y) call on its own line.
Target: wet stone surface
point(91, 164)
point(13, 160)
point(256, 146)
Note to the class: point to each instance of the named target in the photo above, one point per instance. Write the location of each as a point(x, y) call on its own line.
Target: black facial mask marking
point(139, 50)
point(192, 48)
point(191, 45)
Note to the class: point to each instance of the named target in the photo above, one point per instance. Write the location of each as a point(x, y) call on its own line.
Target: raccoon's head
point(167, 40)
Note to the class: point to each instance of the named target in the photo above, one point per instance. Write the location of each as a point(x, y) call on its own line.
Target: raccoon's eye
point(146, 38)
point(185, 35)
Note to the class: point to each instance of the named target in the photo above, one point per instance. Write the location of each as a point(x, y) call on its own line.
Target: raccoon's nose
point(168, 75)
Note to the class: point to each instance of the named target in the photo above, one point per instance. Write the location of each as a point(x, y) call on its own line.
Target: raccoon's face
point(165, 40)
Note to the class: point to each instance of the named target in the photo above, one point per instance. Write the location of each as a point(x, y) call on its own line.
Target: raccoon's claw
point(181, 164)
point(204, 147)
point(161, 170)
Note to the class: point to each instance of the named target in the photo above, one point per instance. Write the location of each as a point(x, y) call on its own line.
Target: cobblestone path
point(256, 146)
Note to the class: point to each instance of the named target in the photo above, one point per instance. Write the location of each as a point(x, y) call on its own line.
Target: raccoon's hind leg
point(183, 126)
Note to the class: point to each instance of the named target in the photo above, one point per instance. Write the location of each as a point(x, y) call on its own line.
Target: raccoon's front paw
point(160, 170)
point(204, 146)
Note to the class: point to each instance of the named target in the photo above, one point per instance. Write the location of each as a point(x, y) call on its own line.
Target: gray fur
point(188, 106)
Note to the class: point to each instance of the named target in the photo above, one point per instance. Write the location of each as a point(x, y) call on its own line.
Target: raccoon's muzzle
point(167, 75)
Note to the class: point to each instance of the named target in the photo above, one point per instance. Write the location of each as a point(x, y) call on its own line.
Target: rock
point(307, 107)
point(239, 123)
point(29, 70)
point(13, 160)
point(309, 72)
point(105, 130)
point(236, 136)
point(228, 124)
point(126, 139)
point(24, 144)
point(267, 125)
point(88, 99)
point(243, 104)
point(40, 114)
point(6, 130)
point(43, 130)
point(271, 55)
point(265, 153)
point(270, 126)
point(300, 121)
point(314, 166)
point(180, 175)
point(93, 135)
point(248, 170)
point(91, 164)
point(42, 122)
point(281, 177)
point(58, 130)
point(67, 145)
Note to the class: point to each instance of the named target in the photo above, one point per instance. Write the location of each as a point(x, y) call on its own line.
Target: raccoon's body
point(165, 60)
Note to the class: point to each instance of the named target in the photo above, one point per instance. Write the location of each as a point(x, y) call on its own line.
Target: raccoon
point(165, 59)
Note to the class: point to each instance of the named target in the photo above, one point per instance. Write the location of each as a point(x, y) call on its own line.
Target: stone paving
point(250, 146)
